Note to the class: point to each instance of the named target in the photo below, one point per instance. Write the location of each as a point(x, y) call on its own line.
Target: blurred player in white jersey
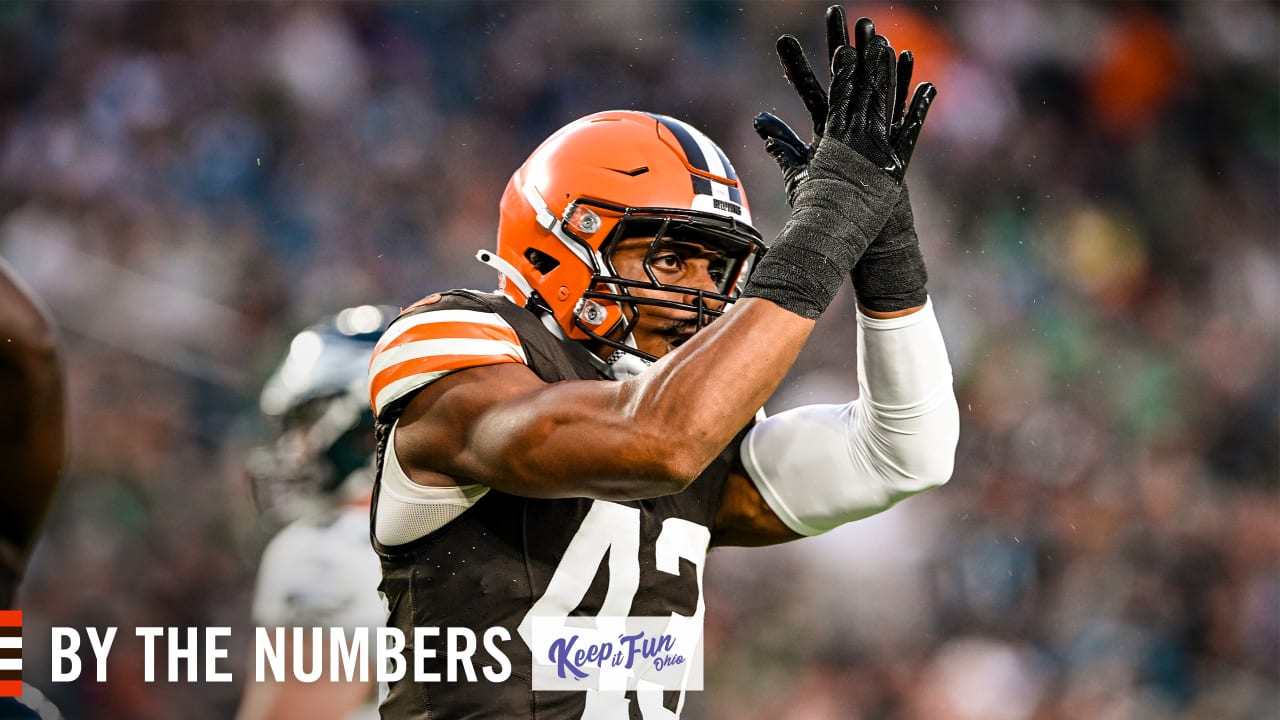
point(320, 570)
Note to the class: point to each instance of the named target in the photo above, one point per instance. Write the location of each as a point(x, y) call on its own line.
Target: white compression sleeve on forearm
point(821, 466)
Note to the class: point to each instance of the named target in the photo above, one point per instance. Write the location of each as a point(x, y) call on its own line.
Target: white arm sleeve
point(821, 466)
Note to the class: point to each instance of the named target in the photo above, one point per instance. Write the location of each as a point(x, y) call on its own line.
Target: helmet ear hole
point(541, 261)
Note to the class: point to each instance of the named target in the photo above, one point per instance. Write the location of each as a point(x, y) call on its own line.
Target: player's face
point(673, 262)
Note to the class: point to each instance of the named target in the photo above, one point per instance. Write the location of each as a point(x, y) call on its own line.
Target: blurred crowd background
point(1098, 193)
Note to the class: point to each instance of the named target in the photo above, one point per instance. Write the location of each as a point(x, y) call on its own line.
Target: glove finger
point(863, 31)
point(868, 85)
point(906, 64)
point(837, 31)
point(889, 88)
point(844, 91)
point(879, 84)
point(787, 156)
point(905, 144)
point(796, 67)
point(770, 127)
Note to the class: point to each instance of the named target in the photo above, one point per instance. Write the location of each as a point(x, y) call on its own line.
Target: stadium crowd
point(186, 184)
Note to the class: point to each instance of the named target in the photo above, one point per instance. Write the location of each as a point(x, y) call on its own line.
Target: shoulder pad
point(438, 335)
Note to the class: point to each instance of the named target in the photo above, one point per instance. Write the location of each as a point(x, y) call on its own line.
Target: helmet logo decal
point(727, 206)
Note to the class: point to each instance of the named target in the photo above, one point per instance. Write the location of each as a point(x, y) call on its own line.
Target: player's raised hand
point(781, 142)
point(877, 92)
point(891, 275)
point(842, 185)
point(907, 123)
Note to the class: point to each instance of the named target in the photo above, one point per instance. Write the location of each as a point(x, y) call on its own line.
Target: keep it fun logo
point(617, 653)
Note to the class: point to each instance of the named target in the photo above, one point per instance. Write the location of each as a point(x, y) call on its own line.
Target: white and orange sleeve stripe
point(420, 349)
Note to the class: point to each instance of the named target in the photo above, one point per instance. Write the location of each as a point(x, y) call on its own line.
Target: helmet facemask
point(610, 309)
point(321, 446)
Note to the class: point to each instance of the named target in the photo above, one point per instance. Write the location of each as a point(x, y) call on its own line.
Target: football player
point(573, 444)
point(319, 571)
point(32, 439)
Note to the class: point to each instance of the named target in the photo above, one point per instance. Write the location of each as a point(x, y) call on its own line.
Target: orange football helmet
point(603, 178)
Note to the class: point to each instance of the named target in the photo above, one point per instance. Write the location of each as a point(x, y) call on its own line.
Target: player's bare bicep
point(434, 435)
point(744, 518)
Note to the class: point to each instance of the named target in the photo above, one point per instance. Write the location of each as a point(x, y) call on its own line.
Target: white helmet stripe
point(705, 155)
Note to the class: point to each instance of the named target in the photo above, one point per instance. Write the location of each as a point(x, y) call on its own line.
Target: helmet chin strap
point(618, 366)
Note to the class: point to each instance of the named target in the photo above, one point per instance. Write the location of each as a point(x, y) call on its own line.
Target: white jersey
point(322, 574)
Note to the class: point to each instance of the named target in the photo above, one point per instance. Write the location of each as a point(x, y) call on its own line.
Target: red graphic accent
point(11, 626)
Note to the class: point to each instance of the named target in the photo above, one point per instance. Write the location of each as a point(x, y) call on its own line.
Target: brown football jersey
point(507, 558)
